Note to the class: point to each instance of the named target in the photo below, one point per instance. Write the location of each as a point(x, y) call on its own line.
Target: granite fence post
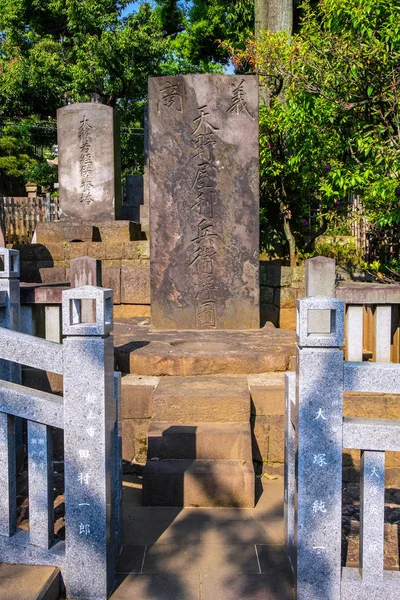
point(382, 332)
point(90, 426)
point(318, 441)
point(320, 281)
point(290, 460)
point(354, 337)
point(10, 427)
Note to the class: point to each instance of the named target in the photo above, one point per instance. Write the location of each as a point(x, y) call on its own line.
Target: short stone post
point(10, 428)
point(320, 281)
point(382, 332)
point(319, 451)
point(91, 425)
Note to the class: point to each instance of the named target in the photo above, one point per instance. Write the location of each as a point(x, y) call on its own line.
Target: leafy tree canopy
point(332, 124)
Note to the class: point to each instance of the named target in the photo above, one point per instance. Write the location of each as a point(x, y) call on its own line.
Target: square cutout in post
point(320, 322)
point(9, 263)
point(87, 311)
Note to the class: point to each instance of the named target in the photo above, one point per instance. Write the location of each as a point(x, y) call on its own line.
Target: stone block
point(279, 276)
point(199, 483)
point(134, 439)
point(259, 427)
point(89, 162)
point(204, 247)
point(53, 275)
point(113, 232)
point(267, 400)
point(76, 249)
point(266, 295)
point(53, 232)
point(298, 277)
point(134, 262)
point(135, 286)
point(275, 438)
point(143, 249)
point(217, 441)
point(286, 297)
point(85, 271)
point(127, 311)
point(320, 276)
point(208, 399)
point(287, 318)
point(111, 278)
point(137, 396)
point(111, 263)
point(114, 251)
point(96, 250)
point(263, 272)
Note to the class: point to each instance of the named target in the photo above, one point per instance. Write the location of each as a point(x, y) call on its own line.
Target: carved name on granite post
point(90, 445)
point(318, 445)
point(204, 208)
point(89, 162)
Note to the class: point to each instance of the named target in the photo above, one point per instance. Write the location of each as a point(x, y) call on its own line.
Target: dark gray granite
point(204, 208)
point(89, 162)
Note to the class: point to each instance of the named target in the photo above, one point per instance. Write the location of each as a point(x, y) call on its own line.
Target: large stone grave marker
point(89, 162)
point(204, 207)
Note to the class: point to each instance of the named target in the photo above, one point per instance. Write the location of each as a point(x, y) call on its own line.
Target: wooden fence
point(19, 216)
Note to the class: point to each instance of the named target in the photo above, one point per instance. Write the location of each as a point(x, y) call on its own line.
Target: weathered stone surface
point(193, 483)
point(134, 439)
point(135, 286)
point(224, 441)
point(205, 399)
point(89, 162)
point(118, 232)
point(137, 395)
point(183, 353)
point(84, 271)
point(204, 202)
point(278, 276)
point(53, 275)
point(53, 232)
point(26, 582)
point(287, 318)
point(111, 278)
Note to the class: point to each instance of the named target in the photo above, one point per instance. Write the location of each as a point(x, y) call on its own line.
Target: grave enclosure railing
point(88, 413)
point(315, 434)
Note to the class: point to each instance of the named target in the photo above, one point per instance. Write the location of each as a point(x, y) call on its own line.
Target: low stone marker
point(204, 208)
point(89, 163)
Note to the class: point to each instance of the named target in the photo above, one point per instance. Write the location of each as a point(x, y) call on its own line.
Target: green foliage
point(344, 253)
point(332, 124)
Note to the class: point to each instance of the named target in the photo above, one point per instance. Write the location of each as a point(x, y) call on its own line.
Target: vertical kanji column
point(90, 422)
point(319, 448)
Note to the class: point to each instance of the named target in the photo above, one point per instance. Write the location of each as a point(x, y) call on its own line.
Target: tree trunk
point(275, 15)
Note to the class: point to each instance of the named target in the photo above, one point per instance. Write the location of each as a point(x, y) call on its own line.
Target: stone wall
point(125, 267)
point(280, 288)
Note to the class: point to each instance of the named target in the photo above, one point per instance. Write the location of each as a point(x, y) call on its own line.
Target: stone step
point(226, 441)
point(199, 483)
point(28, 582)
point(202, 399)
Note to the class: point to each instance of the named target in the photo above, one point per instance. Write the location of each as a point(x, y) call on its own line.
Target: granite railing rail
point(372, 311)
point(88, 413)
point(315, 434)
